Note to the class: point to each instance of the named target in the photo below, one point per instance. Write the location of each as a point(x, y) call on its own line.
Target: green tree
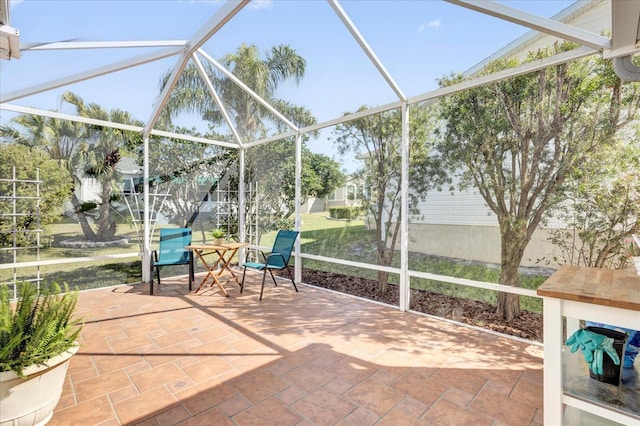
point(54, 191)
point(377, 139)
point(517, 140)
point(272, 165)
point(99, 155)
point(601, 207)
point(187, 172)
point(84, 151)
point(61, 140)
point(264, 76)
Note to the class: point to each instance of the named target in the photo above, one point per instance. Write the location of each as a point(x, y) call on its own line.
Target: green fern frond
point(40, 325)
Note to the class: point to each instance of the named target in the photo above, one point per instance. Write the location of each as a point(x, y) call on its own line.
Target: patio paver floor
point(313, 357)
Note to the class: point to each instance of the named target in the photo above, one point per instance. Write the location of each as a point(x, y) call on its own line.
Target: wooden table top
point(608, 287)
point(225, 246)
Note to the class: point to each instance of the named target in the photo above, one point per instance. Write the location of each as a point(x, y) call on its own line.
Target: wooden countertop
point(608, 287)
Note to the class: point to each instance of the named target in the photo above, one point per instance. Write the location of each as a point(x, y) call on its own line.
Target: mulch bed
point(527, 326)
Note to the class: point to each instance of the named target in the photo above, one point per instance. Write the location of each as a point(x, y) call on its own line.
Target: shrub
point(348, 213)
point(39, 326)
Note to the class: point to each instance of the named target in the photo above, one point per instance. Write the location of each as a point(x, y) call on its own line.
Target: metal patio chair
point(172, 252)
point(277, 259)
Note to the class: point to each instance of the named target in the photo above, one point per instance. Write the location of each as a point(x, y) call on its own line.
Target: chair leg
point(151, 278)
point(273, 278)
point(264, 275)
point(291, 277)
point(192, 274)
point(242, 283)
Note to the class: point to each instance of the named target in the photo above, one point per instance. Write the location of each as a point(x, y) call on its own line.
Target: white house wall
point(459, 224)
point(454, 208)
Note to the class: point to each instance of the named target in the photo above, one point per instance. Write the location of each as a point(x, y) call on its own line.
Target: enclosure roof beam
point(86, 75)
point(545, 25)
point(536, 65)
point(216, 98)
point(76, 45)
point(433, 95)
point(367, 49)
point(219, 19)
point(319, 126)
point(248, 90)
point(110, 124)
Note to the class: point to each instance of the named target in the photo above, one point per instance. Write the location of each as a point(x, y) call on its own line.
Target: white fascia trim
point(216, 98)
point(96, 72)
point(74, 45)
point(367, 49)
point(247, 89)
point(560, 58)
point(545, 25)
point(530, 37)
point(623, 51)
point(96, 122)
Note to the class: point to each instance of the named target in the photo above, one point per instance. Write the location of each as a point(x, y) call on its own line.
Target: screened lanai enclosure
point(365, 125)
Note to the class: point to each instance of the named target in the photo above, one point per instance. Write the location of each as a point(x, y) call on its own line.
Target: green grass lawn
point(349, 240)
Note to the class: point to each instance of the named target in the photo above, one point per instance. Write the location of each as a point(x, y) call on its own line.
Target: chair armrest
point(270, 255)
point(264, 257)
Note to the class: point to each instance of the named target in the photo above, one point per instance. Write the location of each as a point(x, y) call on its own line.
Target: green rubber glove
point(593, 345)
point(605, 346)
point(590, 344)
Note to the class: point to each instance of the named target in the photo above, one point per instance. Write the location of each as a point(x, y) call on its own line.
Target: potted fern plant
point(38, 336)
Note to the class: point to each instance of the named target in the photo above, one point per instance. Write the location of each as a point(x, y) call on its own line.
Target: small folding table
point(223, 255)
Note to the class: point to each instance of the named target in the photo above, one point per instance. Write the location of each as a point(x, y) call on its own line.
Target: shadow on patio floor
point(312, 357)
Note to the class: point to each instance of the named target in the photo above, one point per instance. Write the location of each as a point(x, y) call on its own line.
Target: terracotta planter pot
point(31, 400)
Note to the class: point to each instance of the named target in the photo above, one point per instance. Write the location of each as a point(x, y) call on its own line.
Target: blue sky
point(418, 41)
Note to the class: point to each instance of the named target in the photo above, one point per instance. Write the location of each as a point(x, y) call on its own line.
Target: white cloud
point(261, 4)
point(435, 24)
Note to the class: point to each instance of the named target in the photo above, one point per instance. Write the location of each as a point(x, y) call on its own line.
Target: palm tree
point(101, 154)
point(263, 76)
point(251, 120)
point(82, 150)
point(61, 140)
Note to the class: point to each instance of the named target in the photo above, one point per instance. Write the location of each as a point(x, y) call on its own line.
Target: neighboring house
point(88, 189)
point(348, 195)
point(459, 224)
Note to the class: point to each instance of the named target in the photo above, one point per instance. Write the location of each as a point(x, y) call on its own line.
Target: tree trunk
point(106, 229)
point(89, 235)
point(513, 242)
point(383, 281)
point(508, 306)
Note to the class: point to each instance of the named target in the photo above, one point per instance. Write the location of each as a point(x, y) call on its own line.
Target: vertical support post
point(298, 223)
point(242, 203)
point(404, 210)
point(146, 223)
point(552, 331)
point(38, 226)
